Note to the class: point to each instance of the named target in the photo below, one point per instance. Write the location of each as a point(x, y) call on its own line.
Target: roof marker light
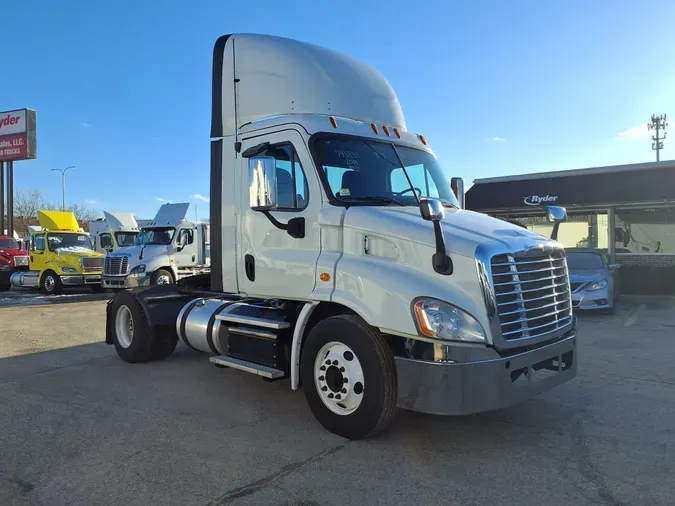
point(424, 141)
point(386, 130)
point(398, 134)
point(333, 121)
point(374, 127)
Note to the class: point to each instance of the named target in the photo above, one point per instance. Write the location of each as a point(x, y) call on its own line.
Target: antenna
point(658, 124)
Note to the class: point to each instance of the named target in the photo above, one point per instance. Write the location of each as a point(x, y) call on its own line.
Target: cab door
point(38, 253)
point(272, 263)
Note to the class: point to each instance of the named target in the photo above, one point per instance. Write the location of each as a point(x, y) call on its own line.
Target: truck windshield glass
point(125, 238)
point(584, 260)
point(9, 243)
point(57, 241)
point(163, 235)
point(364, 171)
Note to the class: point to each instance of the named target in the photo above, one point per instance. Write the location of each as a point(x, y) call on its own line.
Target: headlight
point(69, 270)
point(439, 320)
point(138, 269)
point(597, 285)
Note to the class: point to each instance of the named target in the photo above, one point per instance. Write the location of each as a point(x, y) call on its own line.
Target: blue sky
point(122, 89)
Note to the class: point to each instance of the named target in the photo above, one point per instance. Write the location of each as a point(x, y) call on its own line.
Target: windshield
point(163, 235)
point(125, 238)
point(358, 170)
point(584, 260)
point(9, 243)
point(59, 241)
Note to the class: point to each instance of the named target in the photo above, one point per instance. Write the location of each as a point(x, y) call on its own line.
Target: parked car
point(592, 279)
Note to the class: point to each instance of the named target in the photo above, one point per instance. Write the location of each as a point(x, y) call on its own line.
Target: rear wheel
point(51, 283)
point(349, 377)
point(134, 338)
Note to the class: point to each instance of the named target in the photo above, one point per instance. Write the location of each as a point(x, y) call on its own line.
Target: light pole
point(63, 185)
point(658, 124)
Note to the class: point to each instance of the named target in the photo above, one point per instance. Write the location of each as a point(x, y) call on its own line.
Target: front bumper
point(598, 299)
point(80, 279)
point(120, 282)
point(463, 388)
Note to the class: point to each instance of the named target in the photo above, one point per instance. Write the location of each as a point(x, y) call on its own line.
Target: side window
point(188, 236)
point(40, 242)
point(292, 189)
point(420, 179)
point(106, 240)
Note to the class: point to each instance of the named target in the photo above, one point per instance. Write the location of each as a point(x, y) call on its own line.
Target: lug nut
point(330, 396)
point(335, 362)
point(323, 389)
point(327, 362)
point(321, 378)
point(345, 380)
point(338, 396)
point(344, 390)
point(342, 369)
point(322, 368)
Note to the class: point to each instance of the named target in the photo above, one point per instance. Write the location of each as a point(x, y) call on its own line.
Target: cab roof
point(58, 220)
point(267, 76)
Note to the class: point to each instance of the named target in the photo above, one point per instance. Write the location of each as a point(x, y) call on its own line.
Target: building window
point(645, 231)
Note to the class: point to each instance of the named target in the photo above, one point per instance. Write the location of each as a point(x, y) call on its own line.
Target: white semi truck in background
point(114, 230)
point(166, 249)
point(343, 260)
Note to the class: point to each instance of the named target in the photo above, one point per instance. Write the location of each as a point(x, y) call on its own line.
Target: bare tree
point(26, 206)
point(84, 215)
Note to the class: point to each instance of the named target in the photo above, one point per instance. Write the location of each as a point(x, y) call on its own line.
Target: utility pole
point(658, 124)
point(63, 185)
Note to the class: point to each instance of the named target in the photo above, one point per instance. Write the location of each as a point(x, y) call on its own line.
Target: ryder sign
point(17, 135)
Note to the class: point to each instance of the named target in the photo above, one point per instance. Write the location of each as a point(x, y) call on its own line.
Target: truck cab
point(166, 249)
point(60, 255)
point(13, 258)
point(115, 230)
point(343, 260)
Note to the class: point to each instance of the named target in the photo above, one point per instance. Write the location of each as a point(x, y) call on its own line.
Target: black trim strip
point(183, 336)
point(216, 209)
point(217, 87)
point(209, 328)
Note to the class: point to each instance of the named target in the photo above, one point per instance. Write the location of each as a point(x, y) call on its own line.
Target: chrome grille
point(21, 261)
point(91, 264)
point(532, 293)
point(115, 266)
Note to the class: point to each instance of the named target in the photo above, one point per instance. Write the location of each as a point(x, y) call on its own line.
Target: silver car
point(592, 279)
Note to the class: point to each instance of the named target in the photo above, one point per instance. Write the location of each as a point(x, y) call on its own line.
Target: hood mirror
point(556, 215)
point(432, 210)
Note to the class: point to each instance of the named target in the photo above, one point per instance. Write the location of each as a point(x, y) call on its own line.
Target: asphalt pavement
point(79, 426)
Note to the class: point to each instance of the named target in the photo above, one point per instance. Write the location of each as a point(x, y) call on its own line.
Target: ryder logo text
point(536, 200)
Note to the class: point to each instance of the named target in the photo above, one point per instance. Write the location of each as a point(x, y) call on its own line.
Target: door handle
point(249, 267)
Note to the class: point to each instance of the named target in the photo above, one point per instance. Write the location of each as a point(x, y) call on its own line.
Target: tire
point(51, 283)
point(134, 338)
point(377, 405)
point(159, 275)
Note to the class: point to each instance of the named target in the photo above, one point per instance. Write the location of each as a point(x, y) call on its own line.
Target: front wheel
point(161, 277)
point(349, 377)
point(51, 283)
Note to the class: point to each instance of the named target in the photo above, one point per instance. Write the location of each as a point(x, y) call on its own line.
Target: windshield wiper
point(381, 200)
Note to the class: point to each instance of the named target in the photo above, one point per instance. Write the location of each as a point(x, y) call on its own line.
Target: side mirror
point(262, 185)
point(457, 185)
point(556, 214)
point(432, 210)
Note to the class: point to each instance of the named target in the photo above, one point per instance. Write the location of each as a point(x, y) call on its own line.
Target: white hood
point(150, 252)
point(463, 230)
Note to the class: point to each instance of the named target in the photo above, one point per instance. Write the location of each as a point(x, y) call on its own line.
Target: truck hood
point(78, 251)
point(133, 252)
point(463, 230)
point(13, 252)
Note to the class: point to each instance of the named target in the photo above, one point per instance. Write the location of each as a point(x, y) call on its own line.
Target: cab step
point(260, 370)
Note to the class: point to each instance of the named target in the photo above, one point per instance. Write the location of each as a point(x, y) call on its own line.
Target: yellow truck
point(61, 255)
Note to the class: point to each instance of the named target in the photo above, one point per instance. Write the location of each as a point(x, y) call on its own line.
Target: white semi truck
point(342, 259)
point(166, 249)
point(114, 230)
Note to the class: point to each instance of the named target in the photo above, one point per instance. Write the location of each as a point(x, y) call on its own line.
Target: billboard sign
point(17, 135)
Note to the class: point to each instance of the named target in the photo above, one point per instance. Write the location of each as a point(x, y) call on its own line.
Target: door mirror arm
point(295, 226)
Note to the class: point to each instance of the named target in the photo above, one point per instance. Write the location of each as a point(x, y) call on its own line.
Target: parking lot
point(79, 426)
